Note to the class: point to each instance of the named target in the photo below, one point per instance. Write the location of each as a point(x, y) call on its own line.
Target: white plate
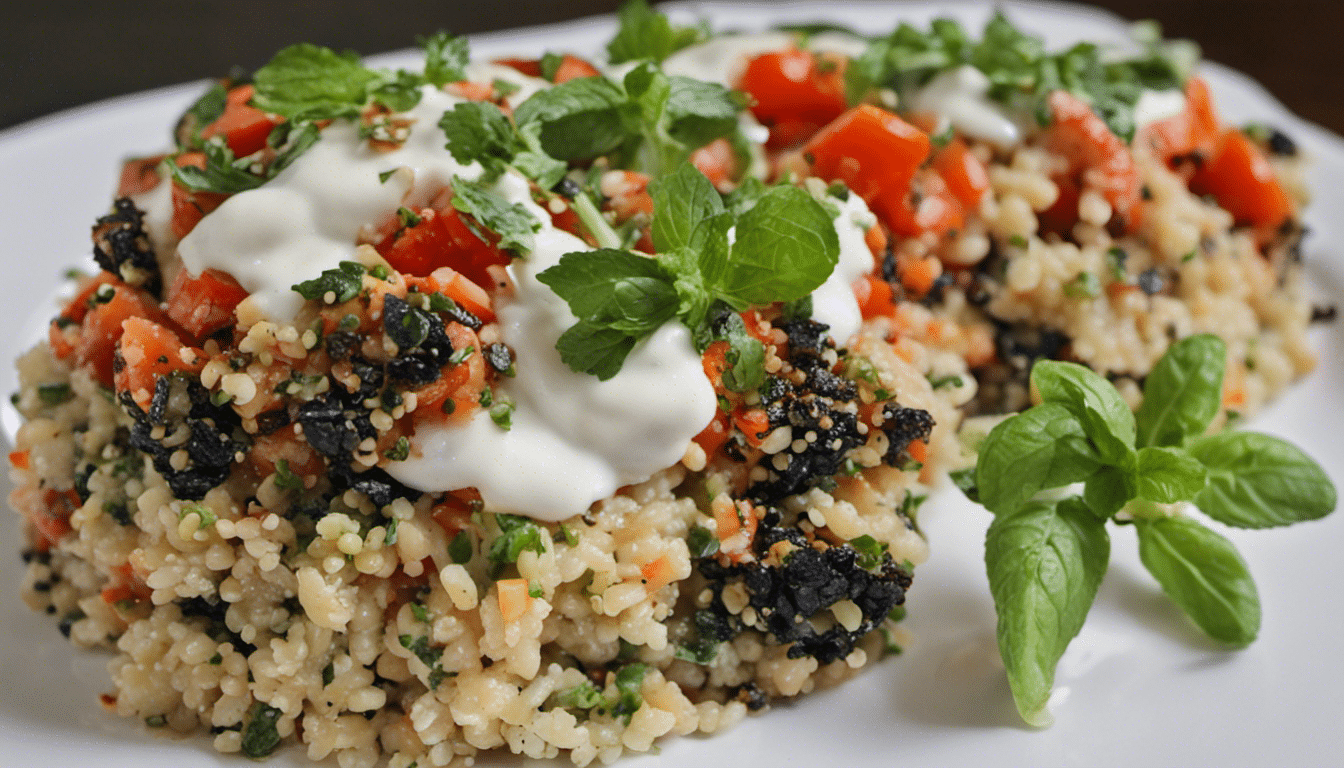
point(1138, 687)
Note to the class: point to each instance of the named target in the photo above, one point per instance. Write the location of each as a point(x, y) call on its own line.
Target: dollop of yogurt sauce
point(574, 439)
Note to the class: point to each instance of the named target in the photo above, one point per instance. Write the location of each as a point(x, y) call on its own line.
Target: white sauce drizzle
point(1155, 106)
point(834, 303)
point(960, 96)
point(308, 218)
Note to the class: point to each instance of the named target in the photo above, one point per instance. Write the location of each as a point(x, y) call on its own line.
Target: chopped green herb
point(461, 354)
point(582, 696)
point(285, 479)
point(206, 514)
point(259, 735)
point(871, 551)
point(517, 535)
point(460, 548)
point(54, 394)
point(628, 698)
point(502, 414)
point(1085, 286)
point(420, 612)
point(390, 537)
point(156, 721)
point(702, 542)
point(334, 286)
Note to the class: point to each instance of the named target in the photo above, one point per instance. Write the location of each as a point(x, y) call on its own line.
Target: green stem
point(596, 225)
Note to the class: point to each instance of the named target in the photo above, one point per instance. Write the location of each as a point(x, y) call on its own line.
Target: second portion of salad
point(558, 405)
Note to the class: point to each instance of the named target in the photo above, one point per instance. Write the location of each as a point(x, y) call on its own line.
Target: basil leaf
point(1167, 475)
point(514, 224)
point(1259, 481)
point(786, 247)
point(682, 202)
point(1107, 492)
point(478, 131)
point(1105, 417)
point(1203, 574)
point(1045, 562)
point(446, 58)
point(647, 34)
point(1183, 393)
point(1042, 447)
point(590, 347)
point(312, 80)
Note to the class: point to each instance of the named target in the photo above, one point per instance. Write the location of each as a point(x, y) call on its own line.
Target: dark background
point(61, 53)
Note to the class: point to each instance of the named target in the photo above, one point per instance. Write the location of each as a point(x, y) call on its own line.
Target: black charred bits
point(815, 409)
point(121, 246)
point(499, 357)
point(423, 344)
point(210, 443)
point(903, 426)
point(812, 578)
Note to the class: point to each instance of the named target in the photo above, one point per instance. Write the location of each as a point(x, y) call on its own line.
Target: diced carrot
point(715, 434)
point(1239, 175)
point(726, 520)
point(876, 240)
point(18, 459)
point(875, 297)
point(658, 573)
point(918, 450)
point(918, 275)
point(754, 424)
point(149, 352)
point(203, 305)
point(513, 598)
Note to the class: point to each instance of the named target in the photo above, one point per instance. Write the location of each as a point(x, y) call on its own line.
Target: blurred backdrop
point(62, 53)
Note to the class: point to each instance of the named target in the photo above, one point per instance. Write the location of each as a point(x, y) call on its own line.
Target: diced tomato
point(1193, 130)
point(283, 445)
point(715, 362)
point(570, 68)
point(873, 151)
point(966, 177)
point(928, 207)
point(189, 207)
point(243, 126)
point(102, 328)
point(717, 161)
point(457, 287)
point(795, 93)
point(453, 514)
point(442, 239)
point(52, 520)
point(753, 422)
point(203, 305)
point(461, 382)
point(63, 333)
point(139, 175)
point(918, 273)
point(1239, 175)
point(1097, 158)
point(149, 352)
point(471, 91)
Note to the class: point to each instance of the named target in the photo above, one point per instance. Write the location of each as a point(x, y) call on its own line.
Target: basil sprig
point(1045, 559)
point(785, 247)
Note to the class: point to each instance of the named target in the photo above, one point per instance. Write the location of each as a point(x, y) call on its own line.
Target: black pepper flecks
point(120, 246)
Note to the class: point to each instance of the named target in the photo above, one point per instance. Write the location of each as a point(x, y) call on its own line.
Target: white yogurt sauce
point(1155, 106)
point(960, 96)
point(834, 303)
point(574, 439)
point(308, 218)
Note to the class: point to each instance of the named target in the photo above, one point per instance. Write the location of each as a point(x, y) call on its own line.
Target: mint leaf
point(579, 119)
point(334, 286)
point(1045, 562)
point(478, 131)
point(313, 81)
point(1167, 475)
point(1204, 574)
point(1105, 417)
point(683, 201)
point(512, 222)
point(786, 247)
point(1259, 481)
point(1183, 393)
point(204, 111)
point(746, 357)
point(1040, 448)
point(647, 34)
point(589, 281)
point(590, 347)
point(220, 173)
point(699, 112)
point(446, 58)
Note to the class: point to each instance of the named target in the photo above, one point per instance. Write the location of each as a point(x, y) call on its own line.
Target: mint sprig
point(785, 247)
point(1045, 559)
point(647, 34)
